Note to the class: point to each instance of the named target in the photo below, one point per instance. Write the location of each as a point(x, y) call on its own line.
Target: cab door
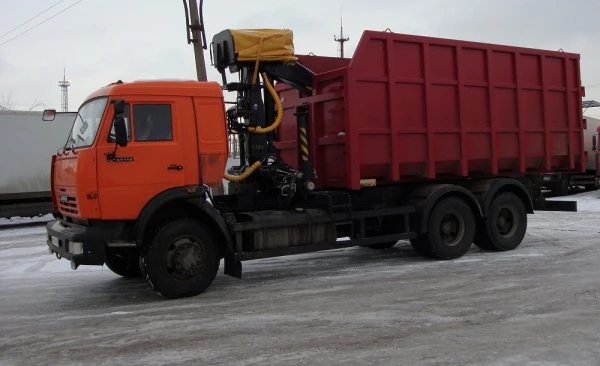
point(152, 161)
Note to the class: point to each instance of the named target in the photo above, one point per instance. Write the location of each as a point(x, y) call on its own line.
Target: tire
point(454, 217)
point(181, 260)
point(123, 262)
point(505, 226)
point(480, 240)
point(420, 246)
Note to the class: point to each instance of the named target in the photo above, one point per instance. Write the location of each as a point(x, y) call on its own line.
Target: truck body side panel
point(321, 64)
point(410, 108)
point(589, 132)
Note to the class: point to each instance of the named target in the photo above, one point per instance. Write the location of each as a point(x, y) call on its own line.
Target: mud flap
point(233, 268)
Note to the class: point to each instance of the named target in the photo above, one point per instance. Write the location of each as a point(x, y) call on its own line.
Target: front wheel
point(181, 260)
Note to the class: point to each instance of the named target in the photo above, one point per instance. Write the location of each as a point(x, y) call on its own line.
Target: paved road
point(536, 305)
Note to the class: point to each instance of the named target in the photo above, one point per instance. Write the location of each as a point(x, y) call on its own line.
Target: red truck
point(430, 140)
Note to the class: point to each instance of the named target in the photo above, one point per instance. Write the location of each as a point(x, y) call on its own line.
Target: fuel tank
point(264, 230)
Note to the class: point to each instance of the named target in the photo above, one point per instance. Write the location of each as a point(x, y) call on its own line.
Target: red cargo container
point(408, 108)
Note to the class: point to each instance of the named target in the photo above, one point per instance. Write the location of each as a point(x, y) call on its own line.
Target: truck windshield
point(86, 123)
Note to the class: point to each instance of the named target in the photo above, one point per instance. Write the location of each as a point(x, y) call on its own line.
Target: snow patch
point(587, 201)
point(114, 313)
point(466, 260)
point(524, 255)
point(23, 232)
point(24, 220)
point(317, 291)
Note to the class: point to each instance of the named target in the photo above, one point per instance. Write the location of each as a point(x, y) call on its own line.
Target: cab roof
point(188, 88)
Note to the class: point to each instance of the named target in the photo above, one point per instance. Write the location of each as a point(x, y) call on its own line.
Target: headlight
point(76, 247)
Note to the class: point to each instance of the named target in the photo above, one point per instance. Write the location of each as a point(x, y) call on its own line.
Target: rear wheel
point(505, 226)
point(123, 262)
point(420, 246)
point(181, 260)
point(450, 231)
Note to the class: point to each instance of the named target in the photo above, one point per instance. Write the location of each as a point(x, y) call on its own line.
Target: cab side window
point(152, 122)
point(127, 117)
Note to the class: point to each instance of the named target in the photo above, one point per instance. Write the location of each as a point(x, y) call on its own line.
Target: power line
point(22, 24)
point(37, 25)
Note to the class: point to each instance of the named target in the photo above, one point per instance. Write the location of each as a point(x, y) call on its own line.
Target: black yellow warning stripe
point(304, 143)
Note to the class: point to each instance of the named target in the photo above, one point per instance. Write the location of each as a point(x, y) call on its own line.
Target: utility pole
point(196, 28)
point(198, 39)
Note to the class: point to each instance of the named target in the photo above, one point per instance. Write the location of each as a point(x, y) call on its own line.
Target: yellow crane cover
point(263, 44)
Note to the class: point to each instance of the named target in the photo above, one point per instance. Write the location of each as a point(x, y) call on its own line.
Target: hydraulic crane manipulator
point(266, 54)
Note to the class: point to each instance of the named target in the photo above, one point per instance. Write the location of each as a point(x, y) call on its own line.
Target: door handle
point(175, 167)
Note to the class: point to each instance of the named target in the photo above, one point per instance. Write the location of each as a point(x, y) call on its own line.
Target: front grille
point(67, 204)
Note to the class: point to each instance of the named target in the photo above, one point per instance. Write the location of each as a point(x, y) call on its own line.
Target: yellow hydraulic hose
point(246, 174)
point(279, 109)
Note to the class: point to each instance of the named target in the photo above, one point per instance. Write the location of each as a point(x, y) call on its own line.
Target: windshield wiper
point(72, 147)
point(72, 140)
point(66, 148)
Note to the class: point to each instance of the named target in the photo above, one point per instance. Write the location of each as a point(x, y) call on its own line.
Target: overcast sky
point(103, 41)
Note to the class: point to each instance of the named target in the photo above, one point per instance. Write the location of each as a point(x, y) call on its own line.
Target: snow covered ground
point(24, 220)
point(535, 305)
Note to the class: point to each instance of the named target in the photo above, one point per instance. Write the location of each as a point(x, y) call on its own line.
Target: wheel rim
point(452, 229)
point(184, 258)
point(507, 221)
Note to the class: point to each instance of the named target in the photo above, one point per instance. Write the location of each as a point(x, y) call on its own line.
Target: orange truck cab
point(106, 190)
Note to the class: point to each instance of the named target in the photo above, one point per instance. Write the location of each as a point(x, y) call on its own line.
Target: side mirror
point(120, 131)
point(594, 141)
point(49, 115)
point(119, 106)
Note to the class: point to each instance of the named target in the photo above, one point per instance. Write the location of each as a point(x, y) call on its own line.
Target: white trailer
point(559, 183)
point(28, 144)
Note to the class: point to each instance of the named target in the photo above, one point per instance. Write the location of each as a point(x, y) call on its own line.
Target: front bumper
point(76, 243)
